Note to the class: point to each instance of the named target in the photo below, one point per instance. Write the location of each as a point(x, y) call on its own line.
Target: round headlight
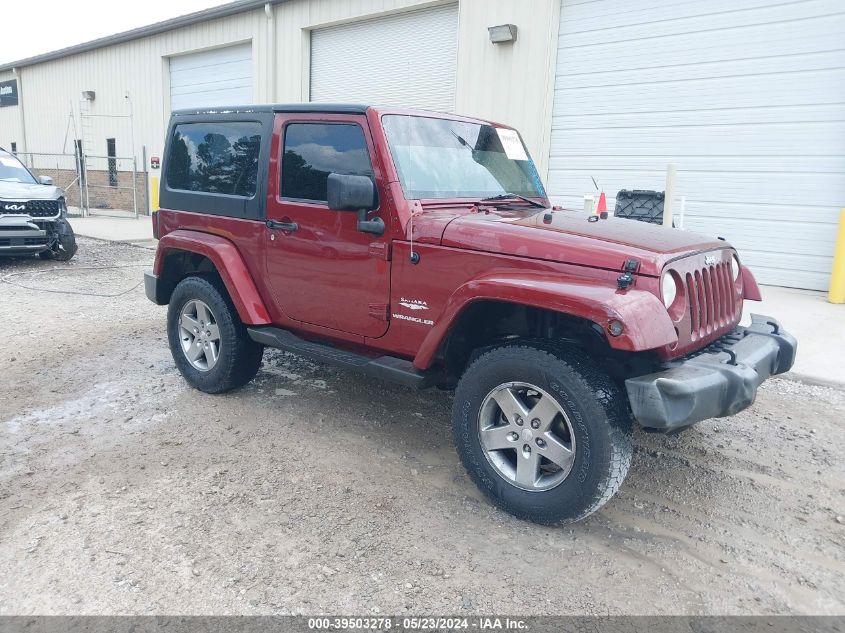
point(669, 289)
point(735, 267)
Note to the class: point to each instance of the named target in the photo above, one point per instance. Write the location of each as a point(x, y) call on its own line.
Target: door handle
point(287, 227)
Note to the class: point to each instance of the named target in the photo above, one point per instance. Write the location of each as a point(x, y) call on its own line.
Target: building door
point(405, 59)
point(217, 77)
point(745, 99)
point(321, 269)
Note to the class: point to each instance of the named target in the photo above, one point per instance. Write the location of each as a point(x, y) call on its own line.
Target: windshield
point(11, 170)
point(440, 158)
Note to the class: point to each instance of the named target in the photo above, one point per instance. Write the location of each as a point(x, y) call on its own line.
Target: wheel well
point(486, 324)
point(179, 264)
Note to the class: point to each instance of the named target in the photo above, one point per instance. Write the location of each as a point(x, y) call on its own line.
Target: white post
point(668, 194)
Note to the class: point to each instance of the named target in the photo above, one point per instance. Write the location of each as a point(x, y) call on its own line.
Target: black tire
point(239, 356)
point(65, 245)
point(598, 414)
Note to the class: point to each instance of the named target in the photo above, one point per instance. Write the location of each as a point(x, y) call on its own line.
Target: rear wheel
point(542, 431)
point(209, 343)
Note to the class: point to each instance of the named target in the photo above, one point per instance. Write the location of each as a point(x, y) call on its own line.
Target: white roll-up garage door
point(406, 59)
point(745, 97)
point(221, 76)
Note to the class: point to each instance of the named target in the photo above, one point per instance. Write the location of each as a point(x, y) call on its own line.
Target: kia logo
point(15, 207)
point(709, 260)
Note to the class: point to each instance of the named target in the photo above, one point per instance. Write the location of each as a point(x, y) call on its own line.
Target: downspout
point(271, 51)
point(17, 75)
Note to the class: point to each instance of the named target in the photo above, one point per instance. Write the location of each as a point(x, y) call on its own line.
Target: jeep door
point(321, 269)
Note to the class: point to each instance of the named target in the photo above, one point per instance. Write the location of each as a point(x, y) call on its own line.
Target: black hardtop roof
point(266, 109)
point(338, 108)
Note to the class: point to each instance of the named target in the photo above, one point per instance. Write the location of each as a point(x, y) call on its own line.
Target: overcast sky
point(31, 28)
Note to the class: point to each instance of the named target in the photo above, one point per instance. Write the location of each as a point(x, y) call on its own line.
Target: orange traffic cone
point(602, 206)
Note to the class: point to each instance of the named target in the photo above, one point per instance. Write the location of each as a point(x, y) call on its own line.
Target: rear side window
point(312, 151)
point(219, 158)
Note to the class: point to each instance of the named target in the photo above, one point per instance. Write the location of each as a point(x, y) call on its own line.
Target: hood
point(569, 237)
point(28, 191)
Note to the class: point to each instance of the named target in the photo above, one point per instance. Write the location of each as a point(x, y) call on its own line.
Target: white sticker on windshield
point(511, 143)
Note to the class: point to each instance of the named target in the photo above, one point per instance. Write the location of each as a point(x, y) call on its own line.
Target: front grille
point(26, 241)
point(709, 303)
point(711, 300)
point(32, 208)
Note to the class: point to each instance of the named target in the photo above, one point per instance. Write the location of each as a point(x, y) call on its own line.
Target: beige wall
point(508, 83)
point(10, 118)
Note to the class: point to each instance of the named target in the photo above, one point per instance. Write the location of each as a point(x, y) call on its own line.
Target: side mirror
point(350, 193)
point(346, 192)
point(45, 180)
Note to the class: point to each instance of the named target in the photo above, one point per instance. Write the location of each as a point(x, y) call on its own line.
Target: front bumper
point(720, 380)
point(20, 234)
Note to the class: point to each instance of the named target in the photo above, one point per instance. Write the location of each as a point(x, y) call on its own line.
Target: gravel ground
point(314, 490)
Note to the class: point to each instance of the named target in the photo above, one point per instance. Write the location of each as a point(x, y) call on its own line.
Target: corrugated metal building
point(746, 98)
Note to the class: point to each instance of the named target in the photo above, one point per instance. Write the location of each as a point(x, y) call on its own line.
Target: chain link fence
point(94, 185)
point(112, 186)
point(64, 169)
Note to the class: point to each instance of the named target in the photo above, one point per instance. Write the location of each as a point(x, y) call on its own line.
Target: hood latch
point(627, 278)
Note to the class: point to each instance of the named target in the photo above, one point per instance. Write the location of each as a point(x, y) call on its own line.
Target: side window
point(312, 151)
point(111, 151)
point(215, 157)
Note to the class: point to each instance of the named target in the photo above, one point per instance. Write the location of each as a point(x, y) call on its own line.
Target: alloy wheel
point(199, 335)
point(526, 436)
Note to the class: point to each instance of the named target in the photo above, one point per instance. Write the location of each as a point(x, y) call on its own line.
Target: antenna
point(414, 256)
point(411, 231)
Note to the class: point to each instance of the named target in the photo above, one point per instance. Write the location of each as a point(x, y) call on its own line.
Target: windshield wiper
point(511, 196)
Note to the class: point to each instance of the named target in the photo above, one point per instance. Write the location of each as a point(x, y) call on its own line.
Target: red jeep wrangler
point(421, 248)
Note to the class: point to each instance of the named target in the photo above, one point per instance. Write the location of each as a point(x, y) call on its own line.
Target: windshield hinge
point(380, 250)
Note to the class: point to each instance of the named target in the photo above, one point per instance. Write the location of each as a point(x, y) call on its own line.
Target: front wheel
point(63, 246)
point(542, 431)
point(209, 343)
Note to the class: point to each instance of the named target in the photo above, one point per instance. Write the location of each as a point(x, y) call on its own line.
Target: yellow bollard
point(836, 294)
point(153, 194)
